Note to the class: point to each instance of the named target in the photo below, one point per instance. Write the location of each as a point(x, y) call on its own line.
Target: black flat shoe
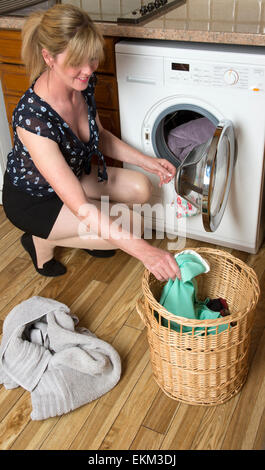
point(51, 268)
point(101, 253)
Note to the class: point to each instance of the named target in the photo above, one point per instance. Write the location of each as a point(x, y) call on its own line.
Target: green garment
point(180, 296)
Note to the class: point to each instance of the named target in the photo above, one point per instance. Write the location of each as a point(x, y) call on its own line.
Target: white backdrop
point(5, 140)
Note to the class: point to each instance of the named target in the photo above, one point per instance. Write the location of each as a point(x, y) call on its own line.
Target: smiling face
point(75, 77)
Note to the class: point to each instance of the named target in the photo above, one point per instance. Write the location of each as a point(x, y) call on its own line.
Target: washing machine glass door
point(207, 172)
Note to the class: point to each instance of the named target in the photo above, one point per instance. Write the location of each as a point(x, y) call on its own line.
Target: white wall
point(5, 140)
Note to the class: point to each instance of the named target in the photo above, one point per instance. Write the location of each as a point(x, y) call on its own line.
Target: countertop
point(212, 21)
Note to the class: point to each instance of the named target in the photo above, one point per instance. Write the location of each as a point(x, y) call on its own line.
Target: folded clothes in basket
point(180, 296)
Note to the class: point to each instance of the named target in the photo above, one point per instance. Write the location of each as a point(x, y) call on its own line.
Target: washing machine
point(202, 107)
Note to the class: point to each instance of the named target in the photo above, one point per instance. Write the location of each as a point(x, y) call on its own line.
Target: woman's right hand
point(161, 264)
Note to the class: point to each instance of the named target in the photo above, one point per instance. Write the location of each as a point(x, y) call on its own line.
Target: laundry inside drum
point(188, 135)
point(184, 130)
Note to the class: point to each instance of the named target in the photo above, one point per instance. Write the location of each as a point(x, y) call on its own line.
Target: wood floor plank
point(32, 288)
point(259, 443)
point(5, 229)
point(2, 217)
point(256, 261)
point(125, 342)
point(77, 292)
point(134, 319)
point(13, 423)
point(256, 420)
point(118, 314)
point(213, 426)
point(14, 278)
point(259, 320)
point(245, 421)
point(109, 406)
point(146, 439)
point(183, 428)
point(75, 262)
point(106, 269)
point(125, 427)
point(33, 434)
point(39, 285)
point(161, 413)
point(107, 313)
point(9, 238)
point(12, 252)
point(8, 398)
point(81, 306)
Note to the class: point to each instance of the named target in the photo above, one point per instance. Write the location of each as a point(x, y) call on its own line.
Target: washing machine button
point(231, 77)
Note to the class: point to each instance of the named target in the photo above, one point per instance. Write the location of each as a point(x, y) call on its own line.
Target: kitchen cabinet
point(15, 81)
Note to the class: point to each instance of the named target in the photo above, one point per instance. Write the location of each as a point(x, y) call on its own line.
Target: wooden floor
point(136, 414)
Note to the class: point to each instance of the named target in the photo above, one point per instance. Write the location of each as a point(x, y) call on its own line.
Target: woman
point(50, 185)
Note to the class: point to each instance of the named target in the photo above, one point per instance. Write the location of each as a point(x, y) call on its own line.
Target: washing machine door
point(206, 173)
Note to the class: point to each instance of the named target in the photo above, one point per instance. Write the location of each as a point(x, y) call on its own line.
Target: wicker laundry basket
point(202, 368)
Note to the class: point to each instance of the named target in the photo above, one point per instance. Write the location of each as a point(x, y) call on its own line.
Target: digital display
point(183, 67)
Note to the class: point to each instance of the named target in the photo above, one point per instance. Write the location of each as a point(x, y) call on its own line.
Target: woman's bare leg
point(123, 185)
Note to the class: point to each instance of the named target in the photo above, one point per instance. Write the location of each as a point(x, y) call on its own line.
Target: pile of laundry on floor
point(62, 365)
point(180, 296)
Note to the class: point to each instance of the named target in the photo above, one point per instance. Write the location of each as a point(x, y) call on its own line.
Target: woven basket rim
point(210, 322)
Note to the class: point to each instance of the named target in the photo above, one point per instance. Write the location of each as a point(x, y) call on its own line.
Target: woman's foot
point(49, 266)
point(44, 250)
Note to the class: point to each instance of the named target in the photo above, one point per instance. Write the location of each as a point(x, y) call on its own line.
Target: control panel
point(214, 74)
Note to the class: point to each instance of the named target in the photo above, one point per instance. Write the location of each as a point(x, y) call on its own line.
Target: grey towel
point(62, 365)
point(182, 139)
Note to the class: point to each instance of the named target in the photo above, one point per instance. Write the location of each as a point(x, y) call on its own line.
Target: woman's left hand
point(161, 167)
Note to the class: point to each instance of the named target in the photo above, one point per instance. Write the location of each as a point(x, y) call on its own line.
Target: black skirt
point(31, 214)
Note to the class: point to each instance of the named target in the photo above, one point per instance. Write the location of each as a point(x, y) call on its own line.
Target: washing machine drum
point(203, 152)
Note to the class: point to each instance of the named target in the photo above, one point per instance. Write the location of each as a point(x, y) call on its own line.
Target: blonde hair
point(57, 29)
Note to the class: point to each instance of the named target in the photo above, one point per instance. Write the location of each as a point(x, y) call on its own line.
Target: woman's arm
point(50, 162)
point(113, 147)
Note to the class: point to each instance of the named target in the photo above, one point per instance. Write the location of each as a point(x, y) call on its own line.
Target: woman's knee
point(143, 189)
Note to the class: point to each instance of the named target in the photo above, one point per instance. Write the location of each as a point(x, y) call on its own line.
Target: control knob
point(231, 77)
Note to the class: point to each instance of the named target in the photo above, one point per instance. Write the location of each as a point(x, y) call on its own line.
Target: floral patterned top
point(36, 115)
